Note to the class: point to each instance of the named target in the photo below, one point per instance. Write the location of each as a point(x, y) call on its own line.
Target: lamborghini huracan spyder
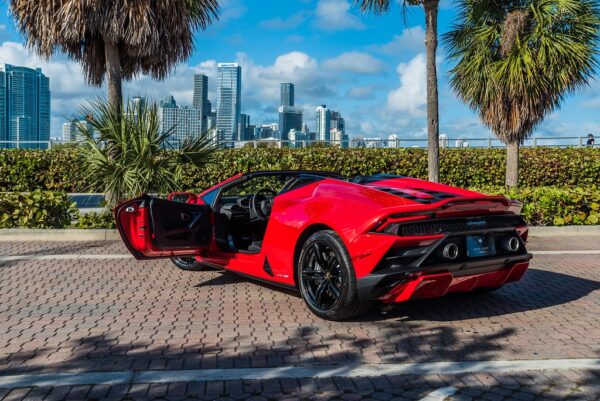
point(342, 242)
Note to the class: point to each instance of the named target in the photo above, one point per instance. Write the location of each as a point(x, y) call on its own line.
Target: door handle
point(185, 216)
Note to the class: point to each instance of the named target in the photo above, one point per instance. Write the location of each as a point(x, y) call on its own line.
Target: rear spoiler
point(494, 204)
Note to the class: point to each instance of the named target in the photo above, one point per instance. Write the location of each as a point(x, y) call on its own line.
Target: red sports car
point(342, 242)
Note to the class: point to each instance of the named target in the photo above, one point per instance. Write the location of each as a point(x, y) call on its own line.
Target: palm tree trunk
point(433, 119)
point(113, 75)
point(115, 96)
point(512, 164)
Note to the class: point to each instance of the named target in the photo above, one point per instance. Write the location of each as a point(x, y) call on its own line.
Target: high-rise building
point(168, 102)
point(229, 87)
point(200, 99)
point(24, 107)
point(290, 117)
point(338, 124)
point(71, 130)
point(287, 94)
point(200, 91)
point(244, 133)
point(138, 103)
point(323, 123)
point(183, 122)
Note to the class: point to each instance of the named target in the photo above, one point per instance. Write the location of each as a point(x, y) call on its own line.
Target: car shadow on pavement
point(537, 290)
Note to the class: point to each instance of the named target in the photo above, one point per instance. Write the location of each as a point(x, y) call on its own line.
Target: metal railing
point(455, 142)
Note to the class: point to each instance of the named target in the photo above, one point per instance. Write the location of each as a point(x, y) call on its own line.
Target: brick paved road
point(120, 314)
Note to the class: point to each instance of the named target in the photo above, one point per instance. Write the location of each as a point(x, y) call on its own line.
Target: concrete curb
point(48, 234)
point(566, 230)
point(28, 234)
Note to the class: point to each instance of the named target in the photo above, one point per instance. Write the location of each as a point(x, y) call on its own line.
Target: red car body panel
point(361, 214)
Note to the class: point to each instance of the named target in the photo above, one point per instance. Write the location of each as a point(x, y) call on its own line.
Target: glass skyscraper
point(287, 94)
point(323, 123)
point(290, 117)
point(200, 99)
point(229, 87)
point(24, 107)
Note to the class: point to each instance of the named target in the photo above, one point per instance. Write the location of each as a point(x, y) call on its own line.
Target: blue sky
point(370, 68)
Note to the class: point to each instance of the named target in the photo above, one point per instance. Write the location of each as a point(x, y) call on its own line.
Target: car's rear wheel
point(188, 263)
point(326, 278)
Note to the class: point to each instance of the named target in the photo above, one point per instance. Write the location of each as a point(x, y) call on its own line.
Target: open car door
point(159, 228)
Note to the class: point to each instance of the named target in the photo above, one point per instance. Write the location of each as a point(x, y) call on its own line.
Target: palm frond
point(516, 60)
point(152, 36)
point(126, 155)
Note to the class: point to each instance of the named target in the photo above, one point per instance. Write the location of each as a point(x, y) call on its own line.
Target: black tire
point(329, 287)
point(188, 263)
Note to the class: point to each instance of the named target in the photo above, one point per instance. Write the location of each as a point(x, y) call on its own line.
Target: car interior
point(243, 209)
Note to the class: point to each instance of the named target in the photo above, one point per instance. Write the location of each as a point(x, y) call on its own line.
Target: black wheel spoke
point(319, 256)
point(313, 274)
point(320, 291)
point(333, 290)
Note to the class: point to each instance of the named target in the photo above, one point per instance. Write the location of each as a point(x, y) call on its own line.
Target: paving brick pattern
point(567, 385)
point(121, 314)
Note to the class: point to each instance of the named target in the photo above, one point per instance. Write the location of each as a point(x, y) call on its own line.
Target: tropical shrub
point(37, 209)
point(127, 154)
point(103, 219)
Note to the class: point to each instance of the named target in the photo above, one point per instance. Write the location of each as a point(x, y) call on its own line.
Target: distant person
point(590, 140)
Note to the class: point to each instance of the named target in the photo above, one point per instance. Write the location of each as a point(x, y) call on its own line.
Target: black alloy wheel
point(326, 278)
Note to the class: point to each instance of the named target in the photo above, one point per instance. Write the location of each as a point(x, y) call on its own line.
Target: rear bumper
point(399, 286)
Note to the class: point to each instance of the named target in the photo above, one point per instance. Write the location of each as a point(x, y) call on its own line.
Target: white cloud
point(410, 40)
point(411, 95)
point(279, 23)
point(360, 92)
point(356, 62)
point(593, 103)
point(334, 15)
point(262, 81)
point(230, 10)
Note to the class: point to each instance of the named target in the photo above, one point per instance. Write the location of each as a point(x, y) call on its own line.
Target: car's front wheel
point(326, 278)
point(188, 263)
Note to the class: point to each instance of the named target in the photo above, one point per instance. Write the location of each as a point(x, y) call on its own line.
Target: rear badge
point(476, 223)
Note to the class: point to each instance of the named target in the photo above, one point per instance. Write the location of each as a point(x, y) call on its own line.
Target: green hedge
point(543, 206)
point(37, 209)
point(103, 219)
point(59, 169)
point(546, 206)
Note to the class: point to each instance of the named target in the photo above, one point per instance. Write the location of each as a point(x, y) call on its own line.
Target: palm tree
point(140, 159)
point(517, 60)
point(431, 41)
point(117, 39)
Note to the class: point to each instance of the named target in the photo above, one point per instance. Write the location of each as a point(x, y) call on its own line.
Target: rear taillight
point(515, 207)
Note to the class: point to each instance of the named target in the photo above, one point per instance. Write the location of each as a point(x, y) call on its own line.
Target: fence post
point(534, 141)
point(489, 142)
point(580, 141)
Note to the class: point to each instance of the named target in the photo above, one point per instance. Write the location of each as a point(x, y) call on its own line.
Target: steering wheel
point(260, 205)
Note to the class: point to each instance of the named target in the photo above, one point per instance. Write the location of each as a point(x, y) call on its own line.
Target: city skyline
point(370, 67)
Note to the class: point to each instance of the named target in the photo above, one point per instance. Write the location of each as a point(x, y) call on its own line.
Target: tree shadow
point(99, 354)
